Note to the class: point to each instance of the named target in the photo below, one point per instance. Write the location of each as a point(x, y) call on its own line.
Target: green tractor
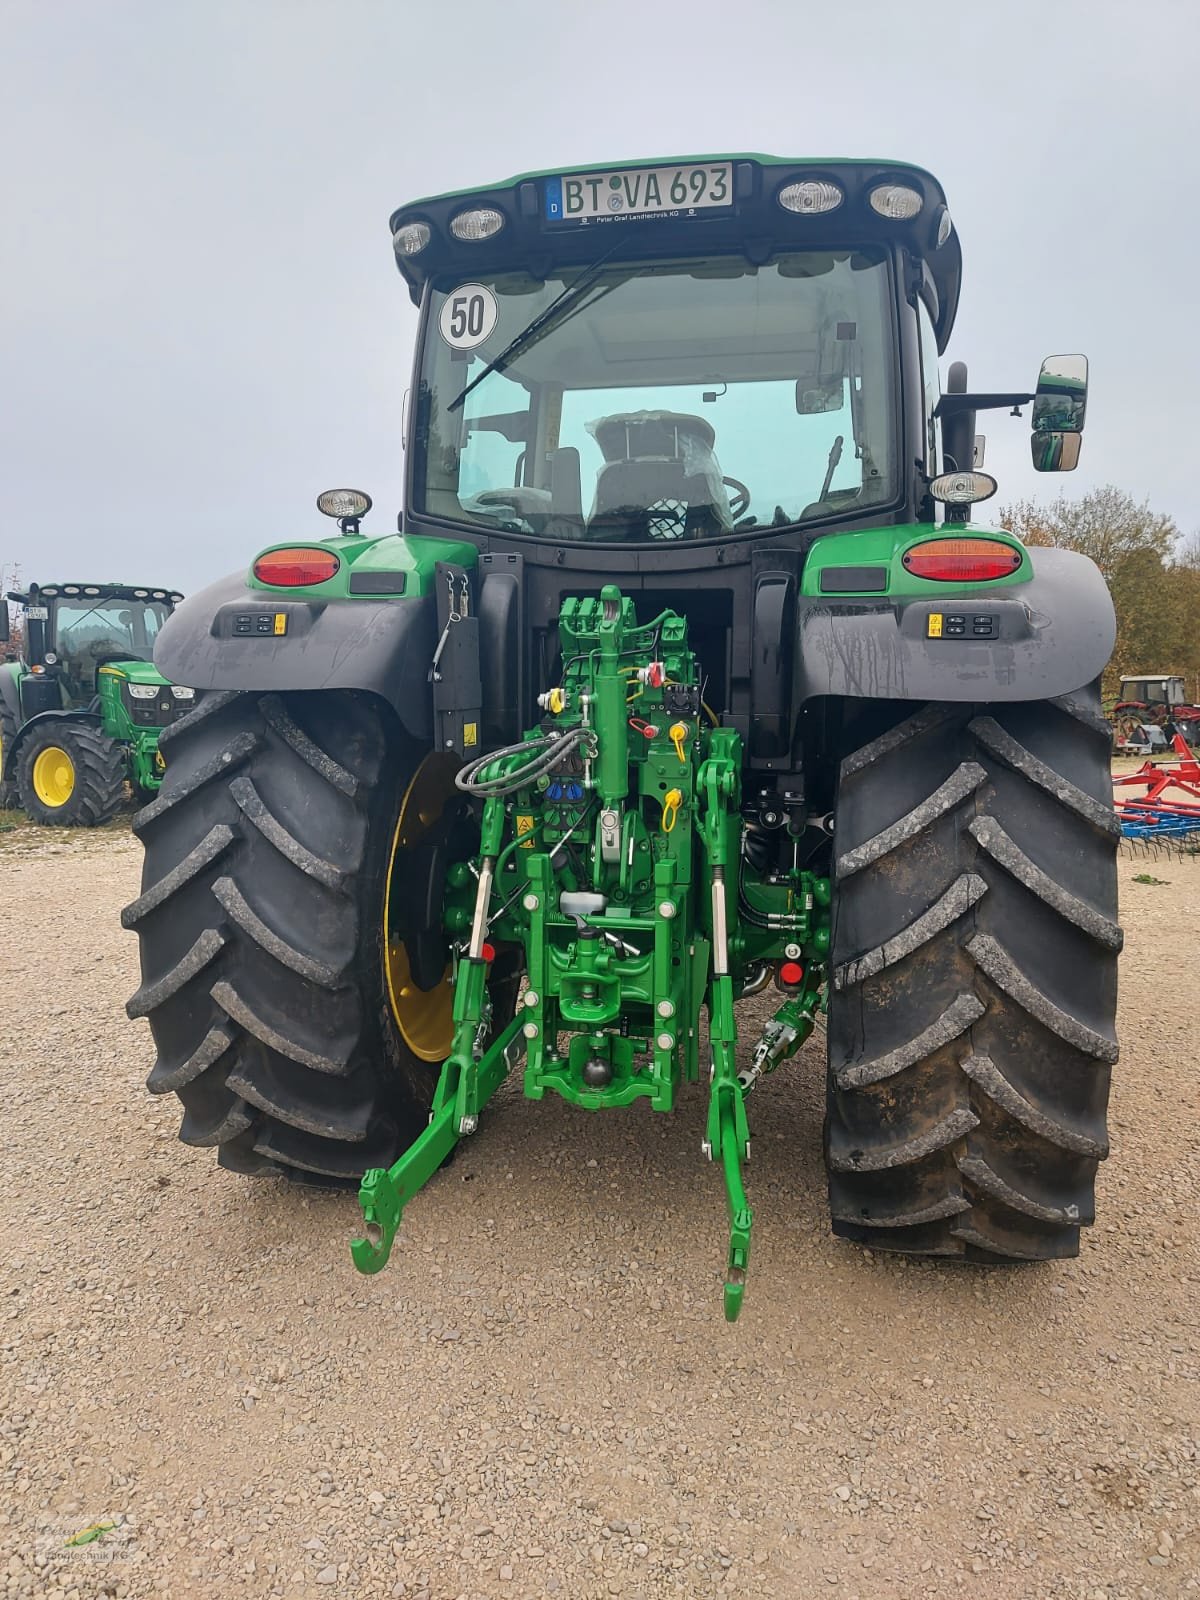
point(81, 713)
point(686, 680)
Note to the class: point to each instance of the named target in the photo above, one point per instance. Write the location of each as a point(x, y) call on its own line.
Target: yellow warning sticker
point(934, 630)
point(281, 622)
point(525, 825)
point(470, 734)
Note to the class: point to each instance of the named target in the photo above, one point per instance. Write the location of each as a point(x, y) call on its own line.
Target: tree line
point(1152, 572)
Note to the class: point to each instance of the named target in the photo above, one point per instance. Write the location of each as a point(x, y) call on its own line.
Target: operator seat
point(660, 478)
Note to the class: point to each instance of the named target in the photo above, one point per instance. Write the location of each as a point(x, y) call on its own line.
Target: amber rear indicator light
point(296, 568)
point(962, 560)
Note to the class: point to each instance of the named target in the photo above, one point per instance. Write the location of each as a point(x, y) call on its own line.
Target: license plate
point(640, 192)
point(38, 613)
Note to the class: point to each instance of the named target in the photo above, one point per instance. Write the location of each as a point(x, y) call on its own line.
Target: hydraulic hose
point(541, 756)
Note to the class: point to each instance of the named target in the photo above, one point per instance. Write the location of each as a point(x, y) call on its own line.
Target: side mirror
point(5, 631)
point(1055, 452)
point(1059, 409)
point(814, 396)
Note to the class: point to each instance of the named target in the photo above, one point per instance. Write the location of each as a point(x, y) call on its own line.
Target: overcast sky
point(203, 325)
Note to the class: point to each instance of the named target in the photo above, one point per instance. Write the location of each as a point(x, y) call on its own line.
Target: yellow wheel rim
point(425, 1017)
point(53, 776)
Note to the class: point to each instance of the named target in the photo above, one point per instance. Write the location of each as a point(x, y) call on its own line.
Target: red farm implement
point(1160, 799)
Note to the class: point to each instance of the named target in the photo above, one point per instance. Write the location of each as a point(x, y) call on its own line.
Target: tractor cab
point(658, 357)
point(720, 349)
point(1153, 690)
point(79, 627)
point(90, 626)
point(703, 371)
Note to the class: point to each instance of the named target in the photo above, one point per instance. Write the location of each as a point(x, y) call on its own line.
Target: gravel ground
point(539, 1396)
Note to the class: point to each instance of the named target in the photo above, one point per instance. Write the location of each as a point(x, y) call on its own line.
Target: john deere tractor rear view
point(81, 711)
point(687, 679)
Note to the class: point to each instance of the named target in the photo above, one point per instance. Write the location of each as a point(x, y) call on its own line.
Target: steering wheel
point(670, 523)
point(739, 500)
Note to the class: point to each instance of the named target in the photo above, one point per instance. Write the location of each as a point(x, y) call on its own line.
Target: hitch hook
point(731, 1141)
point(381, 1208)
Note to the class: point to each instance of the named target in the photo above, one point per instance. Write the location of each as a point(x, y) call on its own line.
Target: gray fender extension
point(383, 647)
point(1054, 635)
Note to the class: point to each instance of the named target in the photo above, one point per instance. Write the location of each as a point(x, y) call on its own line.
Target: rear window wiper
point(559, 308)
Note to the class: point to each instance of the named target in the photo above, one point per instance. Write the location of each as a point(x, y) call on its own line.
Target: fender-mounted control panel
point(961, 625)
point(246, 621)
point(248, 624)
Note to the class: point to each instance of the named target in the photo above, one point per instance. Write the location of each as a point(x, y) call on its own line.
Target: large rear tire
point(972, 1010)
point(70, 775)
point(287, 1023)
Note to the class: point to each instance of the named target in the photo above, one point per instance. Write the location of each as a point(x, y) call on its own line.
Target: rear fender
point(383, 647)
point(1052, 635)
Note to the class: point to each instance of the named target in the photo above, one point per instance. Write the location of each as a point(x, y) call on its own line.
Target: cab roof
point(97, 591)
point(753, 223)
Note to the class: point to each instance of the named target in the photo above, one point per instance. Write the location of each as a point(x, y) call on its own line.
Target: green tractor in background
point(686, 679)
point(81, 713)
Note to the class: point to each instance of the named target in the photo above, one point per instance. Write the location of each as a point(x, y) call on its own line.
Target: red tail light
point(296, 568)
point(962, 560)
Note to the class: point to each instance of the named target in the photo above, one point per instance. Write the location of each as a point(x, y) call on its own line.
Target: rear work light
point(479, 223)
point(810, 197)
point(962, 560)
point(410, 238)
point(294, 568)
point(896, 201)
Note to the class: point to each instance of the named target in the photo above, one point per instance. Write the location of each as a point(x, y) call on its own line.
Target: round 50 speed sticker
point(468, 316)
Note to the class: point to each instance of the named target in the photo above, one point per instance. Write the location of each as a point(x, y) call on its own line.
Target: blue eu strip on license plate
point(639, 192)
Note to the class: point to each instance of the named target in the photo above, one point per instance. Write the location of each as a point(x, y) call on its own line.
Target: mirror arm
point(511, 425)
point(958, 429)
point(952, 404)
